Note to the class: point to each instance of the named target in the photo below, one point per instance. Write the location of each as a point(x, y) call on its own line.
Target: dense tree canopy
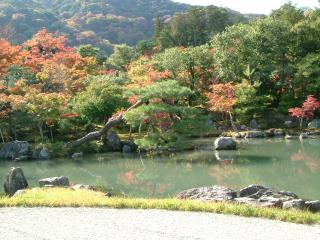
point(199, 67)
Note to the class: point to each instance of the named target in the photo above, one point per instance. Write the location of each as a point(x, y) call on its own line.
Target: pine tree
point(165, 119)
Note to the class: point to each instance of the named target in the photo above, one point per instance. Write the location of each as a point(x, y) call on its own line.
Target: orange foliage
point(143, 72)
point(222, 97)
point(9, 55)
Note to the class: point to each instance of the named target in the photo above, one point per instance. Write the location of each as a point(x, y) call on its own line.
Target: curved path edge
point(116, 224)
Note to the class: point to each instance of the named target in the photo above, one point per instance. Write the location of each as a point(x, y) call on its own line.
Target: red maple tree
point(307, 111)
point(223, 99)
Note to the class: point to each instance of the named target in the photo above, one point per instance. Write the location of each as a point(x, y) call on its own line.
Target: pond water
point(287, 165)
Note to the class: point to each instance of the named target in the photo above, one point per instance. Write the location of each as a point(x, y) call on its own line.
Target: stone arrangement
point(16, 184)
point(15, 181)
point(23, 151)
point(254, 195)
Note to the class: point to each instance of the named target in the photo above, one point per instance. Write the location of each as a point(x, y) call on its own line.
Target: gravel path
point(91, 224)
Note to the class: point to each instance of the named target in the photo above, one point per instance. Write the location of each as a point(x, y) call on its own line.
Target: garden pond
point(289, 165)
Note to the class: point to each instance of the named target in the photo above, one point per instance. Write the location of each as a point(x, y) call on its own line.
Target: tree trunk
point(51, 134)
point(98, 134)
point(301, 123)
point(140, 127)
point(2, 138)
point(130, 133)
point(40, 125)
point(232, 122)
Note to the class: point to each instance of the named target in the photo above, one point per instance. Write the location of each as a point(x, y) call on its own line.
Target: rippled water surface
point(288, 165)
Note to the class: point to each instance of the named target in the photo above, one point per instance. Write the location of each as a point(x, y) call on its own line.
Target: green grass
point(83, 198)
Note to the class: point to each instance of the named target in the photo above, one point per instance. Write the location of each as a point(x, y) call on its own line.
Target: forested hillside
point(98, 22)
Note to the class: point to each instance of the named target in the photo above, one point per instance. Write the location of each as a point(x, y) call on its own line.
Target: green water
point(288, 165)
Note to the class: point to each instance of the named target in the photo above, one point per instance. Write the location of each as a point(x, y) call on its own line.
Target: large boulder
point(113, 142)
point(41, 153)
point(225, 143)
point(15, 181)
point(259, 191)
point(254, 124)
point(297, 204)
point(77, 155)
point(313, 206)
point(251, 190)
point(55, 182)
point(261, 202)
point(129, 147)
point(214, 193)
point(15, 150)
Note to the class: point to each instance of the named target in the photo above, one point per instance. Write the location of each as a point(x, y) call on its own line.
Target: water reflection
point(289, 165)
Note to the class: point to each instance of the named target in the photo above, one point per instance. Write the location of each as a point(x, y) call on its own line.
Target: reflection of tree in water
point(239, 157)
point(223, 171)
point(145, 179)
point(311, 162)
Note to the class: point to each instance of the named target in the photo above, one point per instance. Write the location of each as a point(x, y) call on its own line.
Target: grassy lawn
point(83, 198)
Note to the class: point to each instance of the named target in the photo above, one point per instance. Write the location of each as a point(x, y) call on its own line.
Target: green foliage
point(89, 51)
point(121, 57)
point(288, 13)
point(99, 101)
point(265, 46)
point(16, 73)
point(249, 104)
point(192, 66)
point(308, 74)
point(195, 27)
point(144, 47)
point(163, 90)
point(165, 117)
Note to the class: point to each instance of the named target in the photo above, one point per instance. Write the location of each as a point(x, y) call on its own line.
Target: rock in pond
point(113, 142)
point(254, 124)
point(225, 143)
point(41, 153)
point(303, 136)
point(14, 150)
point(214, 193)
point(55, 181)
point(77, 155)
point(44, 153)
point(255, 134)
point(289, 137)
point(15, 181)
point(298, 204)
point(313, 206)
point(129, 147)
point(279, 133)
